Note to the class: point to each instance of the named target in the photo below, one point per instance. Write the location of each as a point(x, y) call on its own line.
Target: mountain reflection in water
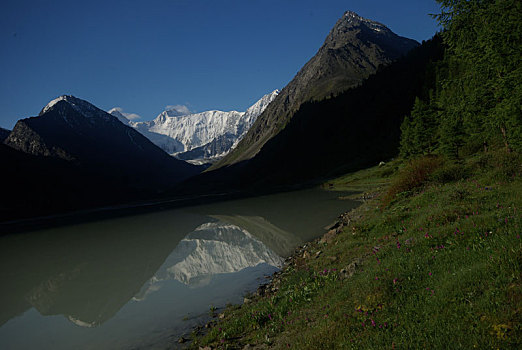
point(89, 290)
point(132, 281)
point(211, 249)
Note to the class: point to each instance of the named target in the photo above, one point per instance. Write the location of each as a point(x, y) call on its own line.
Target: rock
point(261, 290)
point(382, 164)
point(350, 270)
point(181, 340)
point(317, 254)
point(332, 258)
point(330, 235)
point(247, 301)
point(222, 315)
point(306, 255)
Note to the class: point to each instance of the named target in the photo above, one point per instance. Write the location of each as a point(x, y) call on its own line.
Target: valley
point(371, 202)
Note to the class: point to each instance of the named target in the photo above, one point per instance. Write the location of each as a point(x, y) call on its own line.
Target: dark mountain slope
point(3, 134)
point(36, 185)
point(353, 50)
point(356, 128)
point(74, 130)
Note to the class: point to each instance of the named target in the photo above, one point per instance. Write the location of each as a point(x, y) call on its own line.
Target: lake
point(144, 280)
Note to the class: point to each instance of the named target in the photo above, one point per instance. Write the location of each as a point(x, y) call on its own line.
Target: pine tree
point(425, 127)
point(485, 41)
point(406, 138)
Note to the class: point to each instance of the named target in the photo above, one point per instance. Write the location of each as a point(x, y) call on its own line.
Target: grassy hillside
point(432, 260)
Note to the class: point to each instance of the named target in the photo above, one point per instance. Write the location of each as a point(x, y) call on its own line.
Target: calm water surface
point(142, 281)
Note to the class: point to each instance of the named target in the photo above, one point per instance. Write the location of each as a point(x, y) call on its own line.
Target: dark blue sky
point(144, 55)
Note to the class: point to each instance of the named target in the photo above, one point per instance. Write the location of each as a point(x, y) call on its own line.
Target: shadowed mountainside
point(355, 48)
point(354, 129)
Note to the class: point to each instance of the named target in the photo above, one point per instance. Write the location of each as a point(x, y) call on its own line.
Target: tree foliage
point(479, 83)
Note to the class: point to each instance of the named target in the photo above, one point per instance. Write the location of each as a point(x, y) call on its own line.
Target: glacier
point(198, 138)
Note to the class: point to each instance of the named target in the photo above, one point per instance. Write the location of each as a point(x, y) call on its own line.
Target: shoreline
point(22, 225)
point(306, 251)
point(397, 266)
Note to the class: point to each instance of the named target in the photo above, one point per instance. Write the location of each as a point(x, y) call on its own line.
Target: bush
point(450, 173)
point(388, 171)
point(472, 146)
point(507, 166)
point(413, 175)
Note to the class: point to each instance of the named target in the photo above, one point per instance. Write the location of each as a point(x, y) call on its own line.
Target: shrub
point(413, 175)
point(472, 146)
point(450, 173)
point(507, 166)
point(388, 171)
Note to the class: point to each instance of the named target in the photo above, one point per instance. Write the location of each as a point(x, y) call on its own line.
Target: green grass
point(367, 180)
point(438, 267)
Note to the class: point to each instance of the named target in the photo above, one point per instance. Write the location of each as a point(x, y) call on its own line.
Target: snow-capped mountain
point(199, 137)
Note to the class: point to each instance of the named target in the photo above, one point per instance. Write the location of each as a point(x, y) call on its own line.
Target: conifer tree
point(484, 38)
point(406, 143)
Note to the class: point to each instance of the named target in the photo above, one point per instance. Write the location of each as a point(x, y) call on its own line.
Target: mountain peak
point(353, 50)
point(352, 19)
point(54, 102)
point(81, 106)
point(353, 15)
point(177, 111)
point(258, 107)
point(116, 112)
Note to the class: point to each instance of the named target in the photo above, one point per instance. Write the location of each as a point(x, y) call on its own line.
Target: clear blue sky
point(144, 55)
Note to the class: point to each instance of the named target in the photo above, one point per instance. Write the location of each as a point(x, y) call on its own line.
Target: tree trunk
point(504, 136)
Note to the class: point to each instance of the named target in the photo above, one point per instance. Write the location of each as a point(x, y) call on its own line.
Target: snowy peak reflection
point(280, 241)
point(211, 249)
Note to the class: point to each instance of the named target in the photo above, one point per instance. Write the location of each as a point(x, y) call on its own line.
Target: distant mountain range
point(341, 111)
point(200, 137)
point(353, 50)
point(74, 130)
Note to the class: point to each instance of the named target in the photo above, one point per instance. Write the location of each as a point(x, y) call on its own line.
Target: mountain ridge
point(204, 136)
point(353, 50)
point(75, 130)
point(344, 133)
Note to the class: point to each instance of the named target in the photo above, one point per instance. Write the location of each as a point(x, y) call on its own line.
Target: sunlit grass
point(438, 267)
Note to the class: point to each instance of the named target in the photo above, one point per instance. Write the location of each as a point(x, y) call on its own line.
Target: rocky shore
point(302, 255)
